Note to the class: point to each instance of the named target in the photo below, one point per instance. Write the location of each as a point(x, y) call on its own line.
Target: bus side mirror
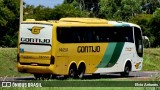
point(140, 49)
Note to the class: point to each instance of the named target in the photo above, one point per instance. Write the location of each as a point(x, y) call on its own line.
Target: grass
point(8, 60)
point(151, 59)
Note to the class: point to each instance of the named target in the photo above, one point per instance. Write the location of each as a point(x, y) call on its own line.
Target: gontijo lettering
point(87, 49)
point(35, 40)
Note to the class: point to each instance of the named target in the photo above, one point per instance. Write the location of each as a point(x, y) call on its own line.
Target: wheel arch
point(73, 63)
point(81, 64)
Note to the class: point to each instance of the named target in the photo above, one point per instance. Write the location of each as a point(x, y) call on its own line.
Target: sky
point(47, 3)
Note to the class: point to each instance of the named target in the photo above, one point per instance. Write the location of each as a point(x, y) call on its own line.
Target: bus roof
point(97, 21)
point(85, 20)
point(121, 23)
point(77, 20)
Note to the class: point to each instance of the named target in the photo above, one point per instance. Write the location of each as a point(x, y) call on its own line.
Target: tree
point(39, 13)
point(92, 6)
point(155, 25)
point(66, 10)
point(150, 24)
point(107, 9)
point(119, 9)
point(9, 22)
point(28, 12)
point(144, 20)
point(149, 6)
point(42, 13)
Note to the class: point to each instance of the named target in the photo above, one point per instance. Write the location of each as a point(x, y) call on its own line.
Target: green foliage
point(107, 9)
point(143, 20)
point(91, 6)
point(9, 17)
point(8, 62)
point(66, 10)
point(156, 15)
point(28, 12)
point(155, 26)
point(149, 6)
point(135, 11)
point(150, 24)
point(45, 13)
point(39, 13)
point(119, 9)
point(9, 22)
point(151, 59)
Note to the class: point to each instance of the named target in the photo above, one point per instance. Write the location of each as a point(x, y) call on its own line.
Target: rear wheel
point(46, 76)
point(42, 76)
point(81, 70)
point(53, 76)
point(81, 74)
point(37, 76)
point(72, 72)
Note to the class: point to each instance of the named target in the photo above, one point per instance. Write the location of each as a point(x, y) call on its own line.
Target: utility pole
point(21, 11)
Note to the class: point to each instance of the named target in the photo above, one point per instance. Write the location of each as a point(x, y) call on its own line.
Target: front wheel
point(126, 71)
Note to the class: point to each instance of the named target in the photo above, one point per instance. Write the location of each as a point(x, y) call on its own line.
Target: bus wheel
point(53, 76)
point(81, 71)
point(37, 76)
point(46, 76)
point(81, 74)
point(72, 72)
point(126, 71)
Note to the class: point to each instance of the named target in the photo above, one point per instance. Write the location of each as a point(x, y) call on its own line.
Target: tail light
point(52, 60)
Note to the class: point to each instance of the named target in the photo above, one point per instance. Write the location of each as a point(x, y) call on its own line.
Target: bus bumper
point(36, 69)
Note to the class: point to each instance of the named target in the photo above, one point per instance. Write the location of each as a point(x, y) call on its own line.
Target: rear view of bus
point(34, 47)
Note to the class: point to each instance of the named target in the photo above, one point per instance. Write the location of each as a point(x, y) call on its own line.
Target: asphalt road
point(142, 75)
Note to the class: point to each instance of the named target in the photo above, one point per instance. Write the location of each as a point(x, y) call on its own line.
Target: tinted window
point(138, 41)
point(94, 34)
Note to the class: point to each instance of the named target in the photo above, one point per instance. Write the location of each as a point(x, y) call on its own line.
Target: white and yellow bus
point(78, 46)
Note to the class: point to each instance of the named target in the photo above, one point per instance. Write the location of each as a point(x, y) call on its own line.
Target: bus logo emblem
point(35, 29)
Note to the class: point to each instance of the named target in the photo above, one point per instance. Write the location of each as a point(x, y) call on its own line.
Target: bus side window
point(89, 36)
point(75, 35)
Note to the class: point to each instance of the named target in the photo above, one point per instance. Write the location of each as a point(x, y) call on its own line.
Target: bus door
point(139, 47)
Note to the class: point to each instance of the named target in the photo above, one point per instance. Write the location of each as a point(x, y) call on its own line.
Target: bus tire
point(81, 75)
point(37, 76)
point(72, 71)
point(46, 76)
point(127, 69)
point(81, 71)
point(53, 76)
